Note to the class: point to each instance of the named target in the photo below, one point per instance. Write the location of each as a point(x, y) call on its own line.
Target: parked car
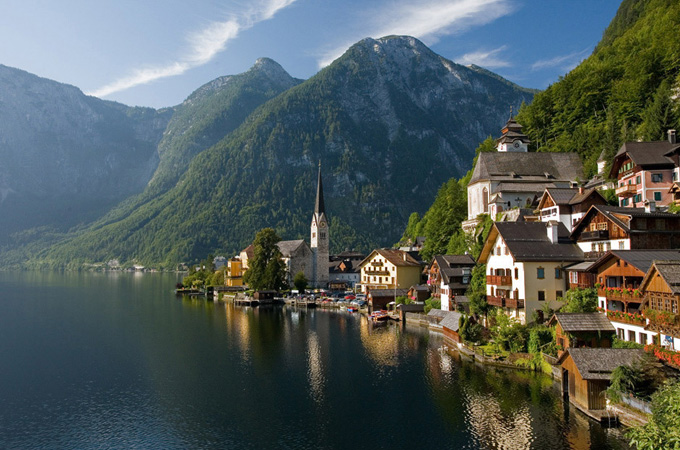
point(350, 297)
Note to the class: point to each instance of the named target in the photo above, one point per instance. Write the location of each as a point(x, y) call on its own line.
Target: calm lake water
point(117, 361)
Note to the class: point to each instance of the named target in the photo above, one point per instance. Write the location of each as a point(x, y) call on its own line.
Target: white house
point(525, 264)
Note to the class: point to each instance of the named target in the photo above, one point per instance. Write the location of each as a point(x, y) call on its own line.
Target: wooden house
point(576, 330)
point(568, 205)
point(605, 228)
point(587, 373)
point(661, 287)
point(380, 298)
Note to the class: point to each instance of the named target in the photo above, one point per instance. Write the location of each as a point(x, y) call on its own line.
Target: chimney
point(671, 137)
point(553, 226)
point(580, 189)
point(650, 206)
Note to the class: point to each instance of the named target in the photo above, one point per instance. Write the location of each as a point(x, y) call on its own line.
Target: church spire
point(319, 208)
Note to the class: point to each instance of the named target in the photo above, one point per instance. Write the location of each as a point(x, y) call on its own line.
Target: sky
point(155, 53)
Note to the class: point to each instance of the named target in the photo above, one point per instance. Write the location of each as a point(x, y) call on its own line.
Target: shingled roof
point(640, 259)
point(620, 216)
point(530, 166)
point(451, 320)
point(670, 272)
point(599, 363)
point(528, 241)
point(648, 155)
point(287, 248)
point(575, 322)
point(399, 258)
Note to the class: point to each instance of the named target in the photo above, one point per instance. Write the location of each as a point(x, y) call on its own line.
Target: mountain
point(390, 121)
point(626, 90)
point(66, 158)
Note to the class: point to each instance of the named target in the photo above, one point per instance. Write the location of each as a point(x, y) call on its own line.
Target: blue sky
point(155, 53)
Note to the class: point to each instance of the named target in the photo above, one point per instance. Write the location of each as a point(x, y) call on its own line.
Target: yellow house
point(389, 269)
point(234, 273)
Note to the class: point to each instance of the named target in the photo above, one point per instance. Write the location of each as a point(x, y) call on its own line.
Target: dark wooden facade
point(587, 394)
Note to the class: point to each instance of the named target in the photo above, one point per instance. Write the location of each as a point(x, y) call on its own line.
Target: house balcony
point(381, 272)
point(621, 294)
point(596, 235)
point(504, 302)
point(629, 318)
point(627, 190)
point(499, 280)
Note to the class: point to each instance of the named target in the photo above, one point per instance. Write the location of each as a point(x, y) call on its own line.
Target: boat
point(352, 309)
point(379, 316)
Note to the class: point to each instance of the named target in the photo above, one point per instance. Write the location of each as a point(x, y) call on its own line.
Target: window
point(622, 245)
point(657, 196)
point(498, 251)
point(540, 273)
point(507, 251)
point(541, 296)
point(573, 277)
point(637, 179)
point(558, 273)
point(516, 273)
point(559, 294)
point(631, 335)
point(657, 177)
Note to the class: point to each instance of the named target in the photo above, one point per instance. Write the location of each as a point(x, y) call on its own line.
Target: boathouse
point(587, 373)
point(574, 330)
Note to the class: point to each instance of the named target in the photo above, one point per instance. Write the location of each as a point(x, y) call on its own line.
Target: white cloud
point(489, 59)
point(203, 46)
point(427, 21)
point(565, 62)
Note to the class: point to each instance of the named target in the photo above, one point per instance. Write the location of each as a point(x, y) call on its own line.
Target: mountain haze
point(65, 158)
point(390, 121)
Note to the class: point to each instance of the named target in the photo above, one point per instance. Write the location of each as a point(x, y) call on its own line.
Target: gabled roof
point(528, 241)
point(399, 258)
point(620, 216)
point(382, 293)
point(288, 248)
point(527, 167)
point(599, 363)
point(512, 131)
point(648, 155)
point(669, 271)
point(249, 251)
point(569, 196)
point(640, 259)
point(576, 322)
point(451, 320)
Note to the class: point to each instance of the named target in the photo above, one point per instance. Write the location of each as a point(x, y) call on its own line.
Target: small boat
point(379, 316)
point(352, 309)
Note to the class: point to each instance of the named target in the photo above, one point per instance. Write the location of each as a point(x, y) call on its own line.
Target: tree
point(300, 281)
point(580, 301)
point(663, 430)
point(266, 270)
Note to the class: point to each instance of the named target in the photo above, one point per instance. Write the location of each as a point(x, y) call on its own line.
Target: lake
point(116, 360)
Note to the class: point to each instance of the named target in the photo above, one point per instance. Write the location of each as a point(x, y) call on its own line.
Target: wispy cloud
point(485, 58)
point(203, 46)
point(565, 62)
point(427, 20)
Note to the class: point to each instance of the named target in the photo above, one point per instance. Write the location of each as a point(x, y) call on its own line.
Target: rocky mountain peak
point(270, 68)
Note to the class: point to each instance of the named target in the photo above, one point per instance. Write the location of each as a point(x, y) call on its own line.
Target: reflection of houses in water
point(315, 373)
point(380, 342)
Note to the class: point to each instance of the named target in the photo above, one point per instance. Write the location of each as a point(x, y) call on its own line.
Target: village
point(565, 282)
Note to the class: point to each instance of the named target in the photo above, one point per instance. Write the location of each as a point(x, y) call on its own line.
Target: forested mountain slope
point(390, 121)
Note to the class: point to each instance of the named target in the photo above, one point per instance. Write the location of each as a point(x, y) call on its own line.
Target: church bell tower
point(319, 239)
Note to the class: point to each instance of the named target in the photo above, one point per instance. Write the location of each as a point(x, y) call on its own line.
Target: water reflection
point(100, 361)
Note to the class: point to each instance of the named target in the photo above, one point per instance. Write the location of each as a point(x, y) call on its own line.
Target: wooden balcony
point(619, 295)
point(382, 272)
point(499, 280)
point(504, 302)
point(623, 317)
point(627, 190)
point(597, 235)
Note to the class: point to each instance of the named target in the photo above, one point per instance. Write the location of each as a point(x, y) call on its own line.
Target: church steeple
point(319, 208)
point(319, 242)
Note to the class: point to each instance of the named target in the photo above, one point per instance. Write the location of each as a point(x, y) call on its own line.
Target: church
point(311, 259)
